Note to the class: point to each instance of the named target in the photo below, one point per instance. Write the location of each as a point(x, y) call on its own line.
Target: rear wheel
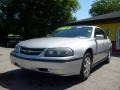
point(86, 66)
point(108, 57)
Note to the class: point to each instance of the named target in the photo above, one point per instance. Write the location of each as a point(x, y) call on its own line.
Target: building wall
point(111, 28)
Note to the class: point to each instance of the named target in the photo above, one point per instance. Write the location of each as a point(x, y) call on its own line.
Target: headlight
point(59, 52)
point(17, 49)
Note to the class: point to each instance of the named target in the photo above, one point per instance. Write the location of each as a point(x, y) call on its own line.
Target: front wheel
point(86, 66)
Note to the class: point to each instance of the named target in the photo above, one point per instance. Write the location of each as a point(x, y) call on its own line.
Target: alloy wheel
point(87, 66)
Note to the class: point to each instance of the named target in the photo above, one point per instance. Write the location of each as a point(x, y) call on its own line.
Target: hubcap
point(87, 65)
point(109, 55)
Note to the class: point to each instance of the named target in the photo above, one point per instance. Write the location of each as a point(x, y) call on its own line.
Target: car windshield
point(73, 32)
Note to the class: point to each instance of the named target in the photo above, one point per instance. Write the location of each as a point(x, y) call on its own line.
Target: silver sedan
point(69, 50)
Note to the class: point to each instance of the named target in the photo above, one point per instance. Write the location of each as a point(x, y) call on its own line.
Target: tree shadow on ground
point(7, 46)
point(18, 80)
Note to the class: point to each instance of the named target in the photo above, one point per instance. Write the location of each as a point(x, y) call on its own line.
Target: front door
point(118, 40)
point(100, 47)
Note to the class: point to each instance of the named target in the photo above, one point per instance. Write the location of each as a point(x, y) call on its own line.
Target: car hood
point(52, 42)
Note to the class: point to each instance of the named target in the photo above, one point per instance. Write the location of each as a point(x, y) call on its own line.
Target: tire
point(86, 67)
point(108, 57)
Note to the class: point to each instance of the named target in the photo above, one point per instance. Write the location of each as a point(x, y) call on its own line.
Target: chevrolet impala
point(69, 50)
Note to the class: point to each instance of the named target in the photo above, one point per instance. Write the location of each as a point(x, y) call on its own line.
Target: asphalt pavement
point(103, 77)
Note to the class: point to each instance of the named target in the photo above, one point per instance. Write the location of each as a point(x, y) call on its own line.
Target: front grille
point(31, 51)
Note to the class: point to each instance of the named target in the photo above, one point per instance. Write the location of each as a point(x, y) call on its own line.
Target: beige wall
point(112, 27)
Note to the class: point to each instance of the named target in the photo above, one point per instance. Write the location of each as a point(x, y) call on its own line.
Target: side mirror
point(99, 37)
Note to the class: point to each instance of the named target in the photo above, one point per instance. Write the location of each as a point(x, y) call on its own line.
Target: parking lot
point(103, 77)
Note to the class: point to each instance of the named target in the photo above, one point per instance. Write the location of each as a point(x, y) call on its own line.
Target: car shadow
point(100, 65)
point(18, 80)
point(116, 54)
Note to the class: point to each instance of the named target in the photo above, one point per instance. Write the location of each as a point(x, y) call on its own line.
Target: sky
point(83, 12)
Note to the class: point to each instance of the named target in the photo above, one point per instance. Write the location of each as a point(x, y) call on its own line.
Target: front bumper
point(59, 67)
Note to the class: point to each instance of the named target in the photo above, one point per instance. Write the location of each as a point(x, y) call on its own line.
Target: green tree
point(35, 18)
point(100, 7)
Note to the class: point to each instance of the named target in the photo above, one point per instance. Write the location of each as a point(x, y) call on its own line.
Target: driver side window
point(97, 32)
point(100, 32)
